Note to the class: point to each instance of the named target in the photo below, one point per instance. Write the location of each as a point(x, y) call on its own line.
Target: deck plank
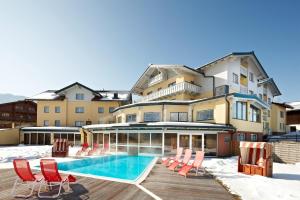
point(161, 181)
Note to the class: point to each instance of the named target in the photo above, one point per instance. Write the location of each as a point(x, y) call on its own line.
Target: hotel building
point(209, 108)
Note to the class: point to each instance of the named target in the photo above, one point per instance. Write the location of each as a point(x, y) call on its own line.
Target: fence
point(286, 151)
point(287, 137)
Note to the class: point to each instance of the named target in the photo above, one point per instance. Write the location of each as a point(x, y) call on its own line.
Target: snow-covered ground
point(32, 153)
point(284, 185)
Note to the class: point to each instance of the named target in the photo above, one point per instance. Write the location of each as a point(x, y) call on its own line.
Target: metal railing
point(180, 87)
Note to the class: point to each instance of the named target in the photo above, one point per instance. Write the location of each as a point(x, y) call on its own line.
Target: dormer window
point(79, 96)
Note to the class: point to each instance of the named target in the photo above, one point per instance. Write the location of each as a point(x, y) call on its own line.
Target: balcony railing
point(156, 79)
point(180, 87)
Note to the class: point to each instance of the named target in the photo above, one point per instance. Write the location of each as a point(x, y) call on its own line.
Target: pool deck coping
point(137, 181)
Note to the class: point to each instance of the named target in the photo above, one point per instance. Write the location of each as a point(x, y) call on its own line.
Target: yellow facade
point(9, 136)
point(68, 116)
point(277, 119)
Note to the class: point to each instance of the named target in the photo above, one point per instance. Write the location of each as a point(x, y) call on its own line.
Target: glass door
point(106, 141)
point(184, 141)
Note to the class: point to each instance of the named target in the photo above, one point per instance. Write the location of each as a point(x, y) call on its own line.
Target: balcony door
point(194, 141)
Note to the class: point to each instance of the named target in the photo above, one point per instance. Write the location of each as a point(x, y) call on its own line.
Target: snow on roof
point(54, 128)
point(178, 124)
point(184, 124)
point(295, 105)
point(47, 95)
point(107, 95)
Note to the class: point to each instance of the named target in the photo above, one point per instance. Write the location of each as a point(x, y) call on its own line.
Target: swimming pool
point(124, 167)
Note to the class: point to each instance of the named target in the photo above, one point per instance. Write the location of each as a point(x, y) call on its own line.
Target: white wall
point(71, 93)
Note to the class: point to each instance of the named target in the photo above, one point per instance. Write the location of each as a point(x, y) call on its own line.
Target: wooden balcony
point(172, 90)
point(156, 79)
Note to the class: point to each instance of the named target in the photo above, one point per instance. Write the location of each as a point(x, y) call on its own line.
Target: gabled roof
point(283, 105)
point(78, 84)
point(272, 83)
point(150, 69)
point(250, 53)
point(99, 95)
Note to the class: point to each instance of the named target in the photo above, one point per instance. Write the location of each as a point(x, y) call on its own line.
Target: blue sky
point(108, 44)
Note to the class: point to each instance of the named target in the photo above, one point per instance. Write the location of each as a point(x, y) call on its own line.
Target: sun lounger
point(25, 177)
point(195, 166)
point(186, 159)
point(53, 178)
point(95, 151)
point(84, 150)
point(167, 161)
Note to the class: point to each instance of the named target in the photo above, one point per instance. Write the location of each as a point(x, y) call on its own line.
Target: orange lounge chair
point(25, 176)
point(177, 157)
point(52, 177)
point(186, 159)
point(196, 164)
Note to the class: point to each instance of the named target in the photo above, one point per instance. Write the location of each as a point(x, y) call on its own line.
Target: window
point(46, 122)
point(178, 116)
point(5, 114)
point(171, 84)
point(235, 78)
point(131, 118)
point(240, 110)
point(281, 114)
point(266, 125)
point(251, 77)
point(241, 137)
point(260, 96)
point(269, 113)
point(158, 89)
point(100, 110)
point(293, 128)
point(151, 117)
point(79, 96)
point(205, 115)
point(282, 126)
point(79, 110)
point(111, 109)
point(149, 92)
point(251, 92)
point(254, 114)
point(46, 109)
point(253, 137)
point(57, 109)
point(79, 123)
point(119, 119)
point(221, 90)
point(57, 122)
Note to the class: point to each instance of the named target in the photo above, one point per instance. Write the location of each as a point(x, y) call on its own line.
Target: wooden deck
point(161, 182)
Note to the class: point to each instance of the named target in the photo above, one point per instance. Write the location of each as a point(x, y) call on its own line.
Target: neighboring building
point(210, 108)
point(62, 113)
point(293, 117)
point(17, 114)
point(279, 118)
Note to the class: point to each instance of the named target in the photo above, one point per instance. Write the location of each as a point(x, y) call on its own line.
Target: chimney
point(116, 95)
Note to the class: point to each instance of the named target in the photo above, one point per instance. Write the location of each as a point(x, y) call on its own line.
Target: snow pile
point(8, 154)
point(285, 183)
point(31, 153)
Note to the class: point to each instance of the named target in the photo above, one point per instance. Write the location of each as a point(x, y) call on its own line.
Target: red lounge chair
point(84, 150)
point(95, 151)
point(25, 176)
point(186, 159)
point(60, 148)
point(52, 177)
point(196, 164)
point(176, 158)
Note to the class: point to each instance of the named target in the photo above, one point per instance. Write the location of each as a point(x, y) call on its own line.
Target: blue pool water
point(115, 166)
